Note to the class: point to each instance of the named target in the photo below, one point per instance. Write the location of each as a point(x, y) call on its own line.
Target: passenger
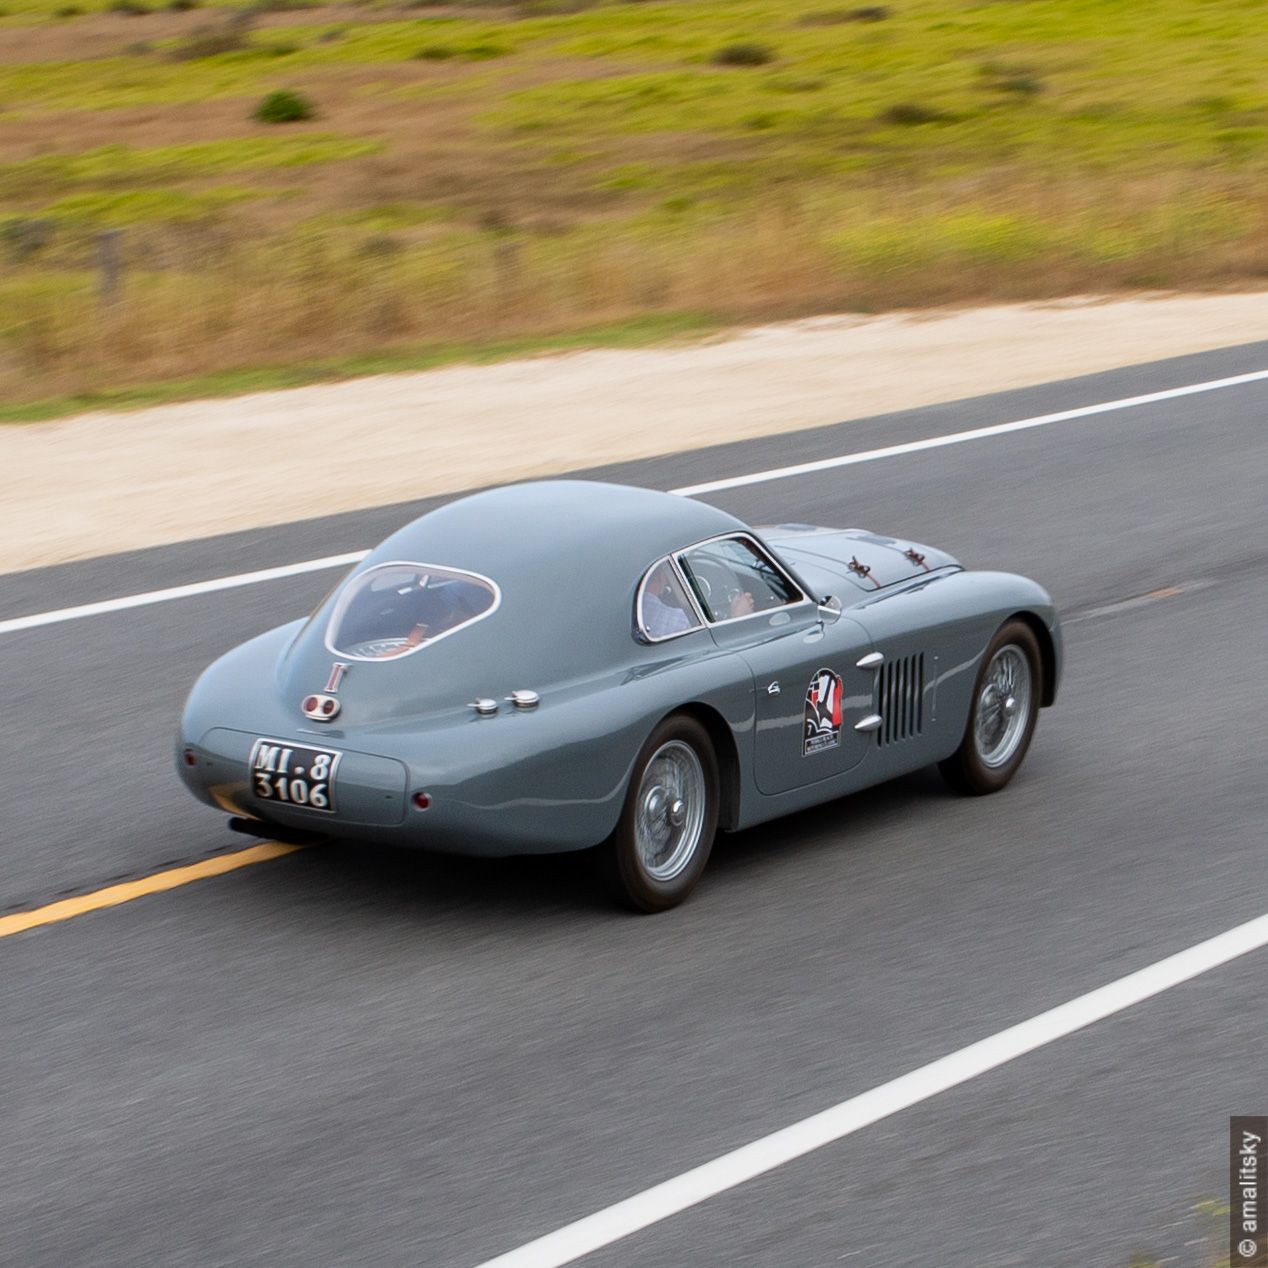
point(662, 611)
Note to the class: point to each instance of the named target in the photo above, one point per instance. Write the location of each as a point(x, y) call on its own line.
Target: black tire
point(629, 874)
point(970, 769)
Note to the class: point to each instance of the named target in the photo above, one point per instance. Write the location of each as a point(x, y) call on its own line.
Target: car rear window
point(393, 609)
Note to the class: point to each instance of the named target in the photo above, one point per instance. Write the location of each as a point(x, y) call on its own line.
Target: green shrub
point(748, 54)
point(381, 244)
point(910, 113)
point(68, 11)
point(467, 52)
point(209, 41)
point(1020, 85)
point(830, 17)
point(129, 8)
point(25, 236)
point(1019, 81)
point(283, 106)
point(183, 6)
point(552, 8)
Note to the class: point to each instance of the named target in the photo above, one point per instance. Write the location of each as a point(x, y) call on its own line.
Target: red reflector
point(190, 759)
point(421, 801)
point(310, 703)
point(330, 706)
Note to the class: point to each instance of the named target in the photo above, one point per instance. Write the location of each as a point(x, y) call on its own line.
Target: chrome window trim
point(341, 606)
point(761, 549)
point(766, 612)
point(700, 619)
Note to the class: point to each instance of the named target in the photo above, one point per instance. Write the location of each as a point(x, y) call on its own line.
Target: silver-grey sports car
point(565, 665)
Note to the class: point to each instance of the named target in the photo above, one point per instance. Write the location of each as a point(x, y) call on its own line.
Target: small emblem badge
point(823, 712)
point(337, 671)
point(320, 708)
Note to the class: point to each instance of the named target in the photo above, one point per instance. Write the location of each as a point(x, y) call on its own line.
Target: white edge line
point(978, 433)
point(731, 1169)
point(179, 592)
point(15, 624)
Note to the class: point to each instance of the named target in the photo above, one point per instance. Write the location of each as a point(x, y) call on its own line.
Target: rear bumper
point(372, 790)
point(471, 815)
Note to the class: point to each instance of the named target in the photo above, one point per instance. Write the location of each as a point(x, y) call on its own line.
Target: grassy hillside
point(479, 172)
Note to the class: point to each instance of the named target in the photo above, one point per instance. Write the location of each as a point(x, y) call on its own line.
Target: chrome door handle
point(870, 723)
point(871, 660)
point(773, 689)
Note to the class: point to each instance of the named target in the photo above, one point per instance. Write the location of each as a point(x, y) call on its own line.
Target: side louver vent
point(900, 691)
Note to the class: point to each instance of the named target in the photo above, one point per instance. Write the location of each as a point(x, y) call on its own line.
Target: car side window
point(733, 578)
point(664, 608)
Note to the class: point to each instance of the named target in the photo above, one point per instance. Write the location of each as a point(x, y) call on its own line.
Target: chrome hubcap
point(1003, 706)
point(669, 818)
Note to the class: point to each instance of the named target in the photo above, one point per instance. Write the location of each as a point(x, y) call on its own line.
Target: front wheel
point(663, 838)
point(1003, 713)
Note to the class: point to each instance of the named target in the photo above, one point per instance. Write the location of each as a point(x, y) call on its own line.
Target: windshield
point(394, 609)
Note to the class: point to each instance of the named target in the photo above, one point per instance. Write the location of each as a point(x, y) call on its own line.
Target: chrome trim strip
point(767, 613)
point(701, 615)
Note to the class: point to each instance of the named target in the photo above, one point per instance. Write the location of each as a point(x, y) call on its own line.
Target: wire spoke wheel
point(662, 840)
point(669, 810)
point(1003, 706)
point(1003, 710)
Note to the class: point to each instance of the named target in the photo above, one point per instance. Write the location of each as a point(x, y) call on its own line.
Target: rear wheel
point(663, 838)
point(1003, 713)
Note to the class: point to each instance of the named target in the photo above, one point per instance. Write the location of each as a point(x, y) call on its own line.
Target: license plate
point(288, 774)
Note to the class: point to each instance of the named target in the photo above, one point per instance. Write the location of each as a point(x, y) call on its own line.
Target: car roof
point(567, 557)
point(551, 531)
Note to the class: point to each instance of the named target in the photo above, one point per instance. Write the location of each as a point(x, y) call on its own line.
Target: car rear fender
point(728, 755)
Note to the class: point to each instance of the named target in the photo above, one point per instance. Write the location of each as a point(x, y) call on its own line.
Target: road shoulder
point(109, 482)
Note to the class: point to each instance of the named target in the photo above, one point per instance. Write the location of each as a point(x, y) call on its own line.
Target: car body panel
point(568, 558)
point(784, 669)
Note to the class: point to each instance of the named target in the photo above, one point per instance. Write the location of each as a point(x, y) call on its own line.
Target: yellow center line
point(156, 883)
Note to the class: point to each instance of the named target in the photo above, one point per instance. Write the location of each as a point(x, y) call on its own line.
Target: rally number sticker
point(823, 712)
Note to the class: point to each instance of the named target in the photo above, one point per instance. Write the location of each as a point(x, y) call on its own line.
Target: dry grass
point(593, 165)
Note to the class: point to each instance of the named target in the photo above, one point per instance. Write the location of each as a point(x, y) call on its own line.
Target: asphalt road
point(355, 1056)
